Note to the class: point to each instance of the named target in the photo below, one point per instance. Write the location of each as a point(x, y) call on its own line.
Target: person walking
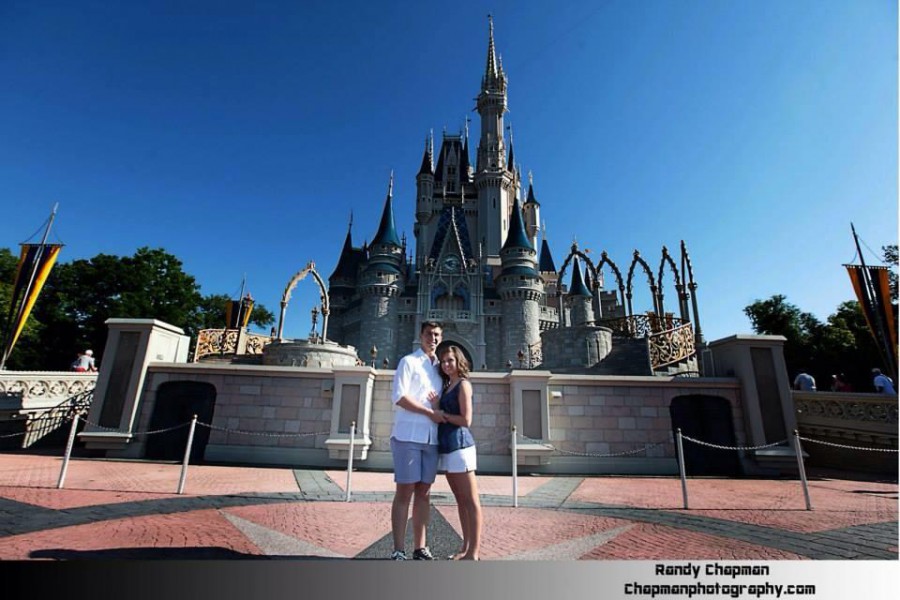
point(882, 383)
point(85, 362)
point(414, 439)
point(804, 382)
point(456, 447)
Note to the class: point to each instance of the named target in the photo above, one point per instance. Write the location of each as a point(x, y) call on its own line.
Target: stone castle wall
point(587, 416)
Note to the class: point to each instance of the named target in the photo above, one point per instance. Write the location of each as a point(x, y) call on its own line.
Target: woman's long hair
point(462, 365)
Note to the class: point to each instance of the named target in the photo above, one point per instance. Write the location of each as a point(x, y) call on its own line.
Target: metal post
point(69, 444)
point(350, 459)
point(187, 455)
point(799, 450)
point(680, 446)
point(515, 468)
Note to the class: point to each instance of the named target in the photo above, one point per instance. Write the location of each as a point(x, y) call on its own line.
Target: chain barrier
point(718, 447)
point(592, 454)
point(824, 443)
point(103, 427)
point(261, 433)
point(167, 429)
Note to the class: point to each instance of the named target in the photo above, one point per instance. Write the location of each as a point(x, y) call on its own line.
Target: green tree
point(803, 332)
point(850, 347)
point(80, 296)
point(843, 344)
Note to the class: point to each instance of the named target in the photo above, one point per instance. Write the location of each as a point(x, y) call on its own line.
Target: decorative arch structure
point(309, 269)
point(666, 259)
point(606, 260)
point(573, 252)
point(637, 260)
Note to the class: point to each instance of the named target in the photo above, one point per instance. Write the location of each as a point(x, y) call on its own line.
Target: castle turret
point(532, 213)
point(521, 290)
point(580, 298)
point(380, 285)
point(342, 282)
point(424, 195)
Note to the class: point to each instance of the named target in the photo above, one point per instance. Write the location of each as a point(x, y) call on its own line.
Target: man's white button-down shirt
point(414, 378)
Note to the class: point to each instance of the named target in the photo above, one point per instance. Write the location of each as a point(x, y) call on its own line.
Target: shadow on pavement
point(193, 553)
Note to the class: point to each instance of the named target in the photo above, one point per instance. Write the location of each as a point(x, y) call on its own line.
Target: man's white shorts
point(459, 461)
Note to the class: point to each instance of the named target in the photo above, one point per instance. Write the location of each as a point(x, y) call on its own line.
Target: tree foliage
point(843, 344)
point(80, 296)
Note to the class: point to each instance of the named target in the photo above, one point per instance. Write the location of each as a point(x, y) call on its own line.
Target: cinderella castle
point(476, 268)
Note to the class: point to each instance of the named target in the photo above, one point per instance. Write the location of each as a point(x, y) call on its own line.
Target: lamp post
point(374, 354)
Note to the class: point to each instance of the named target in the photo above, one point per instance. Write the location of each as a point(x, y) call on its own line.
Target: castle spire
point(531, 198)
point(490, 72)
point(511, 165)
point(387, 232)
point(545, 262)
point(517, 237)
point(578, 288)
point(427, 167)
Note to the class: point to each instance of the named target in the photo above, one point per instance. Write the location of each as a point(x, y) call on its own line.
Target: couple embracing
point(432, 412)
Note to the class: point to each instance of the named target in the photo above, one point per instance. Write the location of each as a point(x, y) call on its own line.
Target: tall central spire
point(494, 79)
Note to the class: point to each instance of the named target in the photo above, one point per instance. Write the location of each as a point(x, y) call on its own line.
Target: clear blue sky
point(239, 136)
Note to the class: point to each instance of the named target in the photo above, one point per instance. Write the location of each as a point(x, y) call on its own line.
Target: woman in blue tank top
point(457, 447)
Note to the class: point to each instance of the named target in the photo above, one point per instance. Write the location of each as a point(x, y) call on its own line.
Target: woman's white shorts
point(459, 461)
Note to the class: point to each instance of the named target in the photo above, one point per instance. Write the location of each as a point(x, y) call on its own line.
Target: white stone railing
point(36, 390)
point(38, 403)
point(863, 418)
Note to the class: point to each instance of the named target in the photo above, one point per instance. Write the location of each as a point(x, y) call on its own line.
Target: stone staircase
point(629, 356)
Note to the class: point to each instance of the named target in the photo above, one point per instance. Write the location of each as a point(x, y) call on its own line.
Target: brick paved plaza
point(130, 509)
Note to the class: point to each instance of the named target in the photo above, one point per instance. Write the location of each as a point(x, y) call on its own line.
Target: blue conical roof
point(517, 237)
point(577, 288)
point(387, 232)
point(545, 263)
point(425, 169)
point(531, 199)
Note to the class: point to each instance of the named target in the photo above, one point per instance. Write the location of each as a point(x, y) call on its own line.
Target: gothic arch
point(562, 272)
point(605, 260)
point(309, 269)
point(666, 259)
point(637, 260)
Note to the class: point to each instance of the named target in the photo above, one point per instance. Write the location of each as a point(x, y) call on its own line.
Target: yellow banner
point(40, 262)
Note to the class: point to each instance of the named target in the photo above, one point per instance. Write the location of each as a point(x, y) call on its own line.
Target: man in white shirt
point(883, 383)
point(414, 441)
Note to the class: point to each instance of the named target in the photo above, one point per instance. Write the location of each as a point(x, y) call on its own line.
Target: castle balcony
point(450, 315)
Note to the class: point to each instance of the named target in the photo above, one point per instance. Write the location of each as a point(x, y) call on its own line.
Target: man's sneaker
point(422, 554)
point(398, 555)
